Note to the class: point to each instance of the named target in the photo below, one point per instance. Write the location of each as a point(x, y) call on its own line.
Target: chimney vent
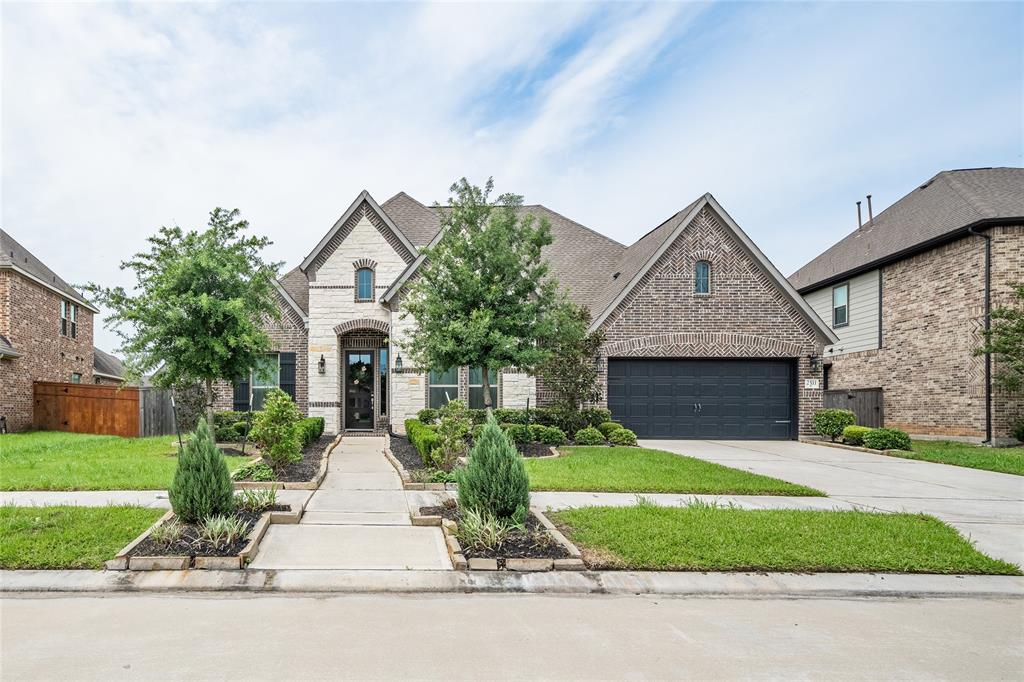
point(860, 223)
point(871, 214)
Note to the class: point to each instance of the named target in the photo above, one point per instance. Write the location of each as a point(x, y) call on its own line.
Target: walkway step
point(362, 481)
point(341, 500)
point(353, 547)
point(326, 518)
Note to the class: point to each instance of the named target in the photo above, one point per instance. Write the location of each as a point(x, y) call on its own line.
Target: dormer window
point(702, 277)
point(364, 284)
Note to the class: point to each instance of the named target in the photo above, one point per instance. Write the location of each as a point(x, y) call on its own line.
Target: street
point(290, 637)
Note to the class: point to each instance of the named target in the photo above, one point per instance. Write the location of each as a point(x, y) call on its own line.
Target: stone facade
point(30, 319)
point(933, 306)
point(745, 315)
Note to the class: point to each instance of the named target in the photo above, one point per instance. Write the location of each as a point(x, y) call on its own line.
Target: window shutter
point(241, 399)
point(286, 380)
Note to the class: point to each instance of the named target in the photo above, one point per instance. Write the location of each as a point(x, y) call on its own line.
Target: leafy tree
point(202, 485)
point(1005, 340)
point(197, 308)
point(570, 371)
point(483, 297)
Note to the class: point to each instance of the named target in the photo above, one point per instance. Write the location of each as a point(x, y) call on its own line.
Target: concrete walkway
point(985, 506)
point(357, 519)
point(154, 499)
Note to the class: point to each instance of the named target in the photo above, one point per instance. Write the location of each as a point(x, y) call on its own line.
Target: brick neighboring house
point(46, 332)
point(907, 294)
point(705, 338)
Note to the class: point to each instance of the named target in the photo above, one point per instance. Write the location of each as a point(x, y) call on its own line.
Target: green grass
point(54, 460)
point(1002, 460)
point(641, 470)
point(68, 537)
point(706, 538)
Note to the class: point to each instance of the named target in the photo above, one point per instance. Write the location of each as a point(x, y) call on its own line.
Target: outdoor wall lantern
point(398, 363)
point(322, 365)
point(815, 363)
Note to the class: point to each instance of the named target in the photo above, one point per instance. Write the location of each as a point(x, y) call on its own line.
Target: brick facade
point(933, 308)
point(30, 319)
point(745, 315)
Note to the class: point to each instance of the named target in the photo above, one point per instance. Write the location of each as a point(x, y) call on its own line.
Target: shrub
point(475, 431)
point(167, 534)
point(1018, 430)
point(422, 437)
point(569, 421)
point(481, 530)
point(477, 416)
point(854, 435)
point(310, 429)
point(887, 439)
point(451, 435)
point(507, 415)
point(495, 480)
point(228, 418)
point(519, 434)
point(552, 435)
point(427, 415)
point(221, 531)
point(622, 437)
point(595, 416)
point(227, 434)
point(832, 422)
point(607, 427)
point(537, 432)
point(276, 429)
point(254, 471)
point(256, 500)
point(202, 485)
point(589, 436)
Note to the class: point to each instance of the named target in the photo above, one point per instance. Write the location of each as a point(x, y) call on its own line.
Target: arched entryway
point(364, 381)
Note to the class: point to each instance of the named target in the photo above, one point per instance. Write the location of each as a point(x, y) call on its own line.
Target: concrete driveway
point(985, 506)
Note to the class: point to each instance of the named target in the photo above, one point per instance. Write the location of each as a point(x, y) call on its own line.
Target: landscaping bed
point(710, 538)
point(191, 544)
point(532, 541)
point(307, 470)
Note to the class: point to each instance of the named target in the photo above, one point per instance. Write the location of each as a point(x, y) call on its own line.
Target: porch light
point(322, 365)
point(815, 363)
point(398, 363)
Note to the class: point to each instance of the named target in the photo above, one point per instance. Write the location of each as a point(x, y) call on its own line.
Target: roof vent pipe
point(871, 214)
point(860, 223)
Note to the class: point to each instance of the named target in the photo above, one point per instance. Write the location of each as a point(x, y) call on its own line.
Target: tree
point(495, 481)
point(571, 371)
point(483, 297)
point(198, 305)
point(1005, 340)
point(202, 485)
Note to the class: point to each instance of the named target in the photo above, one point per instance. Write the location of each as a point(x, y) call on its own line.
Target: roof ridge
point(961, 192)
point(578, 224)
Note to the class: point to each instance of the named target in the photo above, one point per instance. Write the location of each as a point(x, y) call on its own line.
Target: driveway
point(985, 506)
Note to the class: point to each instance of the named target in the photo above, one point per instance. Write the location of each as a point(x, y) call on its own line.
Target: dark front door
point(358, 389)
point(714, 399)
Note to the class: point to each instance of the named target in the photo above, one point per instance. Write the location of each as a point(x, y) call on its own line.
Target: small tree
point(198, 305)
point(571, 371)
point(202, 485)
point(451, 433)
point(1005, 341)
point(495, 481)
point(276, 429)
point(483, 297)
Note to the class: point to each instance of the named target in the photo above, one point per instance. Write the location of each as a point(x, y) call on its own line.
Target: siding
point(862, 332)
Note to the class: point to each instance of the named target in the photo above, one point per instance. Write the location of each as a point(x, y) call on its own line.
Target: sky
point(120, 118)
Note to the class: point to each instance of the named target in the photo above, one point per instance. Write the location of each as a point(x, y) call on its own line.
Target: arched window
point(364, 284)
point(702, 277)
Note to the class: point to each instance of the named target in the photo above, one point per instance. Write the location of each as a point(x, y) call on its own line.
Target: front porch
point(363, 381)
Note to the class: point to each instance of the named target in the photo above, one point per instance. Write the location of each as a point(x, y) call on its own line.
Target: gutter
point(988, 328)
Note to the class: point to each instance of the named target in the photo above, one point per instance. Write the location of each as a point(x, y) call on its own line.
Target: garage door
point(719, 399)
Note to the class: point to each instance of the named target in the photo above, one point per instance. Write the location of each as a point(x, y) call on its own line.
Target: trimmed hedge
point(854, 435)
point(831, 422)
point(589, 436)
point(519, 434)
point(607, 427)
point(422, 437)
point(887, 439)
point(596, 416)
point(552, 435)
point(310, 429)
point(622, 437)
point(427, 415)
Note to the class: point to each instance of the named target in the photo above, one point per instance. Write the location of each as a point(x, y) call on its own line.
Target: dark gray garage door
point(726, 399)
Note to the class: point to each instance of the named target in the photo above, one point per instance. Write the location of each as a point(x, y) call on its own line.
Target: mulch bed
point(308, 467)
point(232, 451)
point(533, 543)
point(191, 545)
point(405, 452)
point(534, 450)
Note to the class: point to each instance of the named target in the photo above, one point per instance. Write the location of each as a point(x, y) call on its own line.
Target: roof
point(296, 285)
point(419, 223)
point(106, 364)
point(16, 257)
point(948, 204)
point(6, 349)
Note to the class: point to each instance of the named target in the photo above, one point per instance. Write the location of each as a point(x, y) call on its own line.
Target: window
point(841, 305)
point(364, 284)
point(74, 320)
point(68, 319)
point(265, 376)
point(383, 365)
point(444, 386)
point(76, 378)
point(476, 387)
point(702, 277)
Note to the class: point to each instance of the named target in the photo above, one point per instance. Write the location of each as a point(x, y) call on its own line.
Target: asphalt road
point(289, 637)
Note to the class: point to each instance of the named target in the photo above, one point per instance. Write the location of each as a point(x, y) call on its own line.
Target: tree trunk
point(209, 403)
point(486, 382)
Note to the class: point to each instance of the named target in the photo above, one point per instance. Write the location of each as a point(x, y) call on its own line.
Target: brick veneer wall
point(30, 319)
point(933, 308)
point(745, 315)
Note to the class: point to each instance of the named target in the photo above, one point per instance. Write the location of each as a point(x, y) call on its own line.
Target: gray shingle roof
point(297, 286)
point(13, 254)
point(105, 363)
point(418, 223)
point(949, 202)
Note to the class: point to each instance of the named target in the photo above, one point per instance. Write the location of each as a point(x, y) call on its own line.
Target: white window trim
point(844, 285)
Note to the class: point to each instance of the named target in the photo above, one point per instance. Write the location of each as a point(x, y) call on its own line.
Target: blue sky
point(118, 118)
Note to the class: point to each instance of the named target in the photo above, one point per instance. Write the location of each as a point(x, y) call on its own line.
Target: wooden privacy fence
point(866, 403)
point(109, 410)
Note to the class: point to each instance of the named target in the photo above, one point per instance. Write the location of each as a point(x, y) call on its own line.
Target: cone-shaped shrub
point(495, 480)
point(202, 485)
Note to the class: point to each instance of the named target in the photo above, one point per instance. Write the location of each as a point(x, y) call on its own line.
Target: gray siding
point(862, 331)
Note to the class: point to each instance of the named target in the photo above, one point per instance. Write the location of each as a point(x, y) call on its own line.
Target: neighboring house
point(705, 338)
point(45, 331)
point(907, 294)
point(106, 369)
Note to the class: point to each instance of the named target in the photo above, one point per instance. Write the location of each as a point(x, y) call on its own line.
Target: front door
point(358, 389)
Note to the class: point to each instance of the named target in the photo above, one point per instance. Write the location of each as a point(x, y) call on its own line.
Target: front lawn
point(68, 537)
point(641, 470)
point(55, 460)
point(707, 538)
point(1002, 460)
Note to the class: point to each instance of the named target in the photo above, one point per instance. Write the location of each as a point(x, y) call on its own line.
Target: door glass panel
point(383, 365)
point(359, 390)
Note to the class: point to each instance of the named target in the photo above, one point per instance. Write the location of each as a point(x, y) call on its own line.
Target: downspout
point(988, 327)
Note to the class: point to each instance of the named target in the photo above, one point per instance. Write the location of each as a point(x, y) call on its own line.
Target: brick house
point(907, 294)
point(705, 338)
point(46, 333)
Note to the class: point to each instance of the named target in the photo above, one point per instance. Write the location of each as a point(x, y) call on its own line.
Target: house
point(705, 338)
point(45, 331)
point(107, 370)
point(908, 293)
